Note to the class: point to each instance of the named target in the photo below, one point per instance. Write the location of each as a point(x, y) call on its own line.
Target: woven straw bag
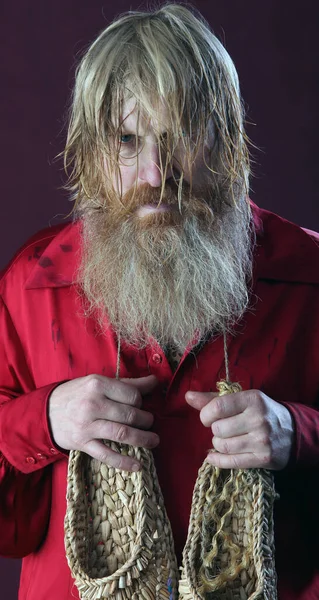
point(119, 543)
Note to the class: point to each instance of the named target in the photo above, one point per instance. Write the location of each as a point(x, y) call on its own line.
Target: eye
point(164, 137)
point(127, 138)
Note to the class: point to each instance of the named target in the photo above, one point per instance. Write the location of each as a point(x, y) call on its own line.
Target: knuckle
point(130, 416)
point(256, 394)
point(84, 411)
point(235, 463)
point(134, 397)
point(111, 459)
point(113, 387)
point(220, 404)
point(216, 429)
point(107, 456)
point(93, 384)
point(259, 401)
point(121, 433)
point(121, 463)
point(226, 447)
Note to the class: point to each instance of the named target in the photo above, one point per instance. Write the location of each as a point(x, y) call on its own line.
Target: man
point(165, 259)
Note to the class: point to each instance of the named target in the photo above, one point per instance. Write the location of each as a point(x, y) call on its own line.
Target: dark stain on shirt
point(55, 332)
point(66, 247)
point(71, 359)
point(45, 262)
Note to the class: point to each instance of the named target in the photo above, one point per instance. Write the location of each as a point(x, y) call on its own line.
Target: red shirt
point(46, 340)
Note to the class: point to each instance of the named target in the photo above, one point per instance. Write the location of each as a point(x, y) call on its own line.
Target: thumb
point(104, 454)
point(145, 385)
point(199, 399)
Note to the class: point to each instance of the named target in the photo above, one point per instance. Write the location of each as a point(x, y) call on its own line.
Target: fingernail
point(136, 467)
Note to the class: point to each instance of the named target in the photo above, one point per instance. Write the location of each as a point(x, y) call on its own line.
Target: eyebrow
point(125, 128)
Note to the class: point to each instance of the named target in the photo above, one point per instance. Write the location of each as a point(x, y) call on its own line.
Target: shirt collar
point(284, 252)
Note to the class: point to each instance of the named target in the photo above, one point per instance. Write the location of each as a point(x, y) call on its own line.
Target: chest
point(274, 348)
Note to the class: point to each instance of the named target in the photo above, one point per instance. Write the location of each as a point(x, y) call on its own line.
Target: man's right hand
point(89, 409)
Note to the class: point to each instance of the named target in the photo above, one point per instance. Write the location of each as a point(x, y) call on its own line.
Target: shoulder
point(285, 251)
point(39, 254)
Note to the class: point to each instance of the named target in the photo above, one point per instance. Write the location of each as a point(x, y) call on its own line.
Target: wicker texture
point(118, 537)
point(229, 552)
point(119, 543)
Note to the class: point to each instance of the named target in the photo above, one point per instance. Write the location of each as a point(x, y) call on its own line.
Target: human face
point(173, 276)
point(139, 132)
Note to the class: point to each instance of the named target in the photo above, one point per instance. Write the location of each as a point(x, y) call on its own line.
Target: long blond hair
point(168, 55)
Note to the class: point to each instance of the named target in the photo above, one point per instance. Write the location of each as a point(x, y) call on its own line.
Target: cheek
point(128, 177)
point(125, 180)
point(200, 171)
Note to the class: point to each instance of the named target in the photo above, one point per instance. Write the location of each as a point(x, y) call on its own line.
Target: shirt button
point(53, 451)
point(40, 456)
point(30, 460)
point(157, 358)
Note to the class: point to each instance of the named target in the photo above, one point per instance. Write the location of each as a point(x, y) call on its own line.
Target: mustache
point(185, 203)
point(146, 194)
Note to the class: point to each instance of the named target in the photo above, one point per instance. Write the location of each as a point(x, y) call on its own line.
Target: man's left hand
point(250, 429)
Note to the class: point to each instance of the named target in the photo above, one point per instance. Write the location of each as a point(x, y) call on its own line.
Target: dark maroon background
point(274, 45)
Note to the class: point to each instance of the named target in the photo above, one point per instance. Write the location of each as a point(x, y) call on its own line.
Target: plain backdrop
point(274, 44)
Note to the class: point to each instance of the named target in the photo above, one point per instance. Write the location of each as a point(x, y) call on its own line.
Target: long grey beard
point(174, 284)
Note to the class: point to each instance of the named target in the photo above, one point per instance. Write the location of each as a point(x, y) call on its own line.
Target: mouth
point(149, 209)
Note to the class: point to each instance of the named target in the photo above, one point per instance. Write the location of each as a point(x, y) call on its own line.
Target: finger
point(199, 399)
point(233, 445)
point(247, 460)
point(104, 454)
point(223, 407)
point(122, 413)
point(145, 385)
point(124, 434)
point(129, 391)
point(231, 426)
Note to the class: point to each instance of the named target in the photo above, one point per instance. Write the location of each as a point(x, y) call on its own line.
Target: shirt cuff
point(25, 437)
point(305, 449)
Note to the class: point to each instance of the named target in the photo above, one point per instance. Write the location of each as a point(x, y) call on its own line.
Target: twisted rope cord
point(119, 542)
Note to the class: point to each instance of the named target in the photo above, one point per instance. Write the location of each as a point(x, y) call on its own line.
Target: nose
point(150, 161)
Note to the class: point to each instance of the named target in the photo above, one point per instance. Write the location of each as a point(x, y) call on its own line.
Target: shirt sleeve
point(26, 449)
point(305, 451)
